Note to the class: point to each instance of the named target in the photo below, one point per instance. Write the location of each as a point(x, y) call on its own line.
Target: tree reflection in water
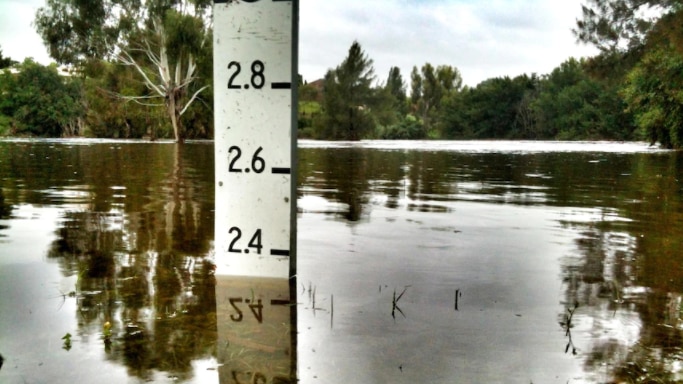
point(137, 227)
point(141, 266)
point(626, 278)
point(625, 275)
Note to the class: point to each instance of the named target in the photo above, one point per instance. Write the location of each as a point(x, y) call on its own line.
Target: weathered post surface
point(255, 106)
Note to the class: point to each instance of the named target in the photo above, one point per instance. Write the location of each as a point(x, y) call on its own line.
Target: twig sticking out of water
point(313, 300)
point(331, 311)
point(457, 295)
point(394, 304)
point(567, 325)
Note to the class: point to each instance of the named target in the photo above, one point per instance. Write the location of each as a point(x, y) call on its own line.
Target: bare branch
point(128, 60)
point(192, 99)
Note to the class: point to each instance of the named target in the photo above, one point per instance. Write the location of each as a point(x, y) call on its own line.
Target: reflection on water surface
point(418, 262)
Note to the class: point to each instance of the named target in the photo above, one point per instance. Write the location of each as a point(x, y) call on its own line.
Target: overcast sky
point(483, 39)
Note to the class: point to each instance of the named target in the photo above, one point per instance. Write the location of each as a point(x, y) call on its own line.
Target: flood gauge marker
point(255, 73)
point(255, 122)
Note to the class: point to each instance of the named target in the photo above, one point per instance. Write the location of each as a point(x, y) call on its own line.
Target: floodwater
point(438, 262)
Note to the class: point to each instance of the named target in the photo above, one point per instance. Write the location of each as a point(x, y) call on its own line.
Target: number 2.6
point(258, 164)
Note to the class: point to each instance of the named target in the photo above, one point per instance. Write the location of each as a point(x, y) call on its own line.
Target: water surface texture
point(439, 262)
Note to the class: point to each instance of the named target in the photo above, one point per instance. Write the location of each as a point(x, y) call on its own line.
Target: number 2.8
point(258, 79)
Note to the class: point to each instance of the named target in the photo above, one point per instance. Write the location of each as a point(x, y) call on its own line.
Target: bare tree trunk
point(172, 89)
point(175, 118)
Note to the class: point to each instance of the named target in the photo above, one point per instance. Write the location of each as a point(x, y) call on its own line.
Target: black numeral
point(257, 80)
point(238, 316)
point(258, 163)
point(255, 242)
point(234, 75)
point(257, 77)
point(257, 310)
point(238, 154)
point(234, 241)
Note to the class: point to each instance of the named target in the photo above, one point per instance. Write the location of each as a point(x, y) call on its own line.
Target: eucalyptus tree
point(161, 40)
point(165, 58)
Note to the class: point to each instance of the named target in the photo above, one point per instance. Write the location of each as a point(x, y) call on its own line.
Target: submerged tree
point(171, 47)
point(161, 39)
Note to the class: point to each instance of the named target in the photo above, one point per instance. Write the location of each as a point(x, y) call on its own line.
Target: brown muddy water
point(418, 262)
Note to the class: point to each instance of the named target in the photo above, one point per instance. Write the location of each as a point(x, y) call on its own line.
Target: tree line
point(144, 69)
point(136, 69)
point(566, 104)
point(631, 90)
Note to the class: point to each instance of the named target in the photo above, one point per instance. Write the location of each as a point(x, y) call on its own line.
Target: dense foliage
point(38, 102)
point(570, 103)
point(166, 44)
point(5, 62)
point(127, 58)
point(645, 40)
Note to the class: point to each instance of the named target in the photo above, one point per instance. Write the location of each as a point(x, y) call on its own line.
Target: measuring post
point(255, 81)
point(255, 106)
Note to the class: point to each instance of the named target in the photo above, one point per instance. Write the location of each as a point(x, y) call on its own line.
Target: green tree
point(613, 25)
point(415, 88)
point(5, 121)
point(109, 115)
point(487, 111)
point(654, 93)
point(6, 62)
point(573, 105)
point(75, 32)
point(348, 98)
point(653, 46)
point(430, 88)
point(167, 42)
point(170, 47)
point(39, 101)
point(397, 89)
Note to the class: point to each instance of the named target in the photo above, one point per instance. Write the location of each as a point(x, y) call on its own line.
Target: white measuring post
point(255, 82)
point(255, 86)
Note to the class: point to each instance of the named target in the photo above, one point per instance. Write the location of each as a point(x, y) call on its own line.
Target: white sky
point(483, 39)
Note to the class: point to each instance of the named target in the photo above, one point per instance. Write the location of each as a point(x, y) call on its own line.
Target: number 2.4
point(255, 306)
point(255, 241)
